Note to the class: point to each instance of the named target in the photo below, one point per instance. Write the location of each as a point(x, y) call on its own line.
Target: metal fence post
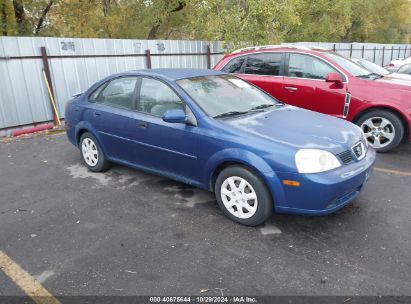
point(392, 52)
point(148, 59)
point(375, 49)
point(363, 47)
point(351, 50)
point(383, 55)
point(208, 57)
point(46, 67)
point(334, 47)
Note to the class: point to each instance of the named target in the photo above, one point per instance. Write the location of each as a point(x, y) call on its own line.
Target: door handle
point(291, 89)
point(142, 124)
point(97, 114)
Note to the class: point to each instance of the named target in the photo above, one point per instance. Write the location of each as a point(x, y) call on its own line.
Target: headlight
point(315, 161)
point(364, 139)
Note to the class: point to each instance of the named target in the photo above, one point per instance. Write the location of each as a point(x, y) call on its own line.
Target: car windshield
point(405, 69)
point(226, 95)
point(351, 67)
point(373, 68)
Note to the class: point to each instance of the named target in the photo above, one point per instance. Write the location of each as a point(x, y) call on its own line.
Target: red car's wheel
point(383, 130)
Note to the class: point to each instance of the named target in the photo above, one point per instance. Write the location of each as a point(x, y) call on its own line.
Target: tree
point(242, 21)
point(24, 18)
point(380, 21)
point(321, 20)
point(22, 24)
point(238, 22)
point(153, 19)
point(7, 19)
point(42, 17)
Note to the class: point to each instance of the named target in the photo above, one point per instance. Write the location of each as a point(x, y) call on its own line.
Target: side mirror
point(175, 116)
point(334, 77)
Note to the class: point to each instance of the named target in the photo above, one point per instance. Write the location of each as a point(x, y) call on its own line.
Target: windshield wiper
point(370, 75)
point(254, 109)
point(266, 105)
point(231, 113)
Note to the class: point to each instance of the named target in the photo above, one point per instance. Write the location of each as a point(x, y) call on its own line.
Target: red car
point(329, 83)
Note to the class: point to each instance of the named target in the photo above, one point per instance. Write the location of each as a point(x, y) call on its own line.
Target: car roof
point(281, 47)
point(273, 48)
point(176, 74)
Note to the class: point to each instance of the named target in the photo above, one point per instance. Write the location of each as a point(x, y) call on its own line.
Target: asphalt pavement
point(126, 232)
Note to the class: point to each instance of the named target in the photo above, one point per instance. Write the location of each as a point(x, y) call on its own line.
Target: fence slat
point(74, 64)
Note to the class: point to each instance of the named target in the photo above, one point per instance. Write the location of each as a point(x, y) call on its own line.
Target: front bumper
point(326, 192)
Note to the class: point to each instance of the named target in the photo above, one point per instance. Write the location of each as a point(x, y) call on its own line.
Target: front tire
point(92, 154)
point(243, 196)
point(383, 129)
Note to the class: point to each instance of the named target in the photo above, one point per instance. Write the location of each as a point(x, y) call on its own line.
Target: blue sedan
point(218, 132)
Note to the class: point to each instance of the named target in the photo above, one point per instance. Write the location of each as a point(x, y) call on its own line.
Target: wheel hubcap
point(239, 197)
point(90, 152)
point(379, 131)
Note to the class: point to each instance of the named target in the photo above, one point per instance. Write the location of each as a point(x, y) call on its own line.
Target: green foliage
point(321, 20)
point(380, 21)
point(248, 21)
point(7, 19)
point(238, 22)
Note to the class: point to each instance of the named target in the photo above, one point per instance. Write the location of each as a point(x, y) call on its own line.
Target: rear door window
point(118, 93)
point(264, 64)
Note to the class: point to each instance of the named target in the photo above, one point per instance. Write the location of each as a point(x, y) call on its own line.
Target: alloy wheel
point(379, 131)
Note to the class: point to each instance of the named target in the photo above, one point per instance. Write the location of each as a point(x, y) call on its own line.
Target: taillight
point(391, 65)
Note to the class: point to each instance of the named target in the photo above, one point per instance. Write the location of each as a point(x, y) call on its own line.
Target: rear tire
point(243, 196)
point(384, 130)
point(92, 154)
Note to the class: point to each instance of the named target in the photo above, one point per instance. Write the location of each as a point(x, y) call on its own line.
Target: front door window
point(305, 66)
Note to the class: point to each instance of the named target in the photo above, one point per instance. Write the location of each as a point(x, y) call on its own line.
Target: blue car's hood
point(299, 128)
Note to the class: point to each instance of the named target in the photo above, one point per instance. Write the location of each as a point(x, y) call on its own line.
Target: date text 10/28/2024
point(203, 299)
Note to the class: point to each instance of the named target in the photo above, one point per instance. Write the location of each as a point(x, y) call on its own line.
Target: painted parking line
point(25, 281)
point(396, 172)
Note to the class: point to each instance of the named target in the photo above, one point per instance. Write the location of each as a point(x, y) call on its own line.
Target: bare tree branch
point(152, 34)
point(43, 17)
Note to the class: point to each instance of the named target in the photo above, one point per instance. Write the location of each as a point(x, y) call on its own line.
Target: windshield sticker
point(239, 83)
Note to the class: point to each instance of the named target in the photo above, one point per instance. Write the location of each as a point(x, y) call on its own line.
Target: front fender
point(248, 159)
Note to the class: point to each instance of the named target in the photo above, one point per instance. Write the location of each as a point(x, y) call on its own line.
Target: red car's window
point(263, 64)
point(305, 66)
point(234, 66)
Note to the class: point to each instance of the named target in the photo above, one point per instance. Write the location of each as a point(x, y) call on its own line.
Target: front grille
point(346, 157)
point(359, 150)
